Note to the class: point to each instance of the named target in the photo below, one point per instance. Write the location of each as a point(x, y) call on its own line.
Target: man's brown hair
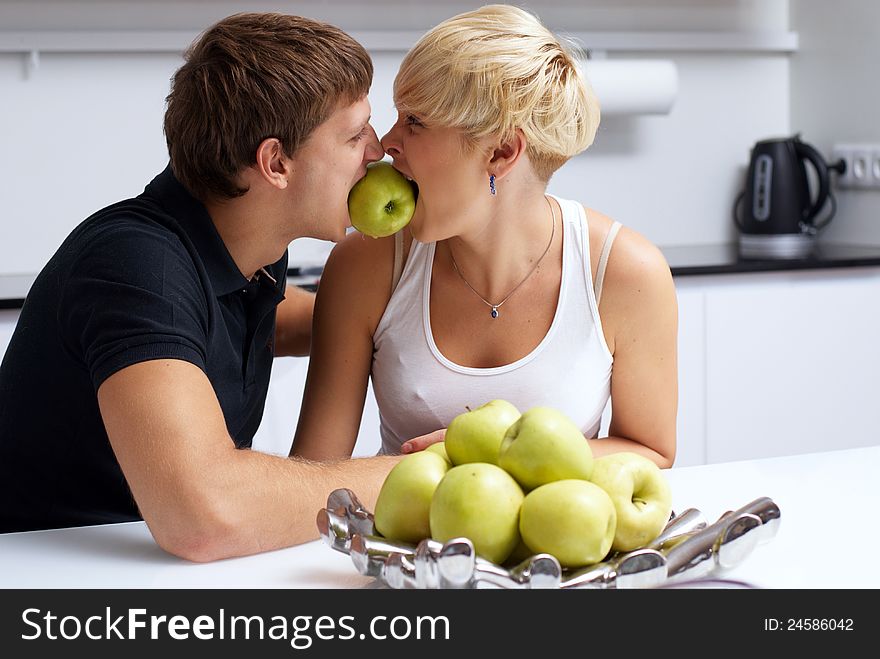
point(250, 77)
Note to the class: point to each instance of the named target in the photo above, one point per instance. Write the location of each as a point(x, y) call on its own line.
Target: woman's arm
point(352, 295)
point(293, 323)
point(639, 314)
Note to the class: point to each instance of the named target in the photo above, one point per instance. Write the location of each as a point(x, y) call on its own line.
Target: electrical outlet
point(862, 165)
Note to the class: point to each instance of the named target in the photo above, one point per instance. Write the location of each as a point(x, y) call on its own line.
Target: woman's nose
point(391, 144)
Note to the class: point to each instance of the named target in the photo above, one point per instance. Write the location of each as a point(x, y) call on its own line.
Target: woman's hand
point(422, 442)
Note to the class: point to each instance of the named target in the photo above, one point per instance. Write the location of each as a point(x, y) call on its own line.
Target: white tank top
point(418, 390)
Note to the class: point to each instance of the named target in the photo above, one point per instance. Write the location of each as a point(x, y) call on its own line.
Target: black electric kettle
point(777, 214)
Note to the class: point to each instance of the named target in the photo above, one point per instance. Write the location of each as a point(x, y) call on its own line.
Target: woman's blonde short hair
point(495, 70)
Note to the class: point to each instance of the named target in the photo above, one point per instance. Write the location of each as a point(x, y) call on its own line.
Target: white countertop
point(829, 504)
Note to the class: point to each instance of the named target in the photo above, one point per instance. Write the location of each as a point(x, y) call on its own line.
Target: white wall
point(835, 97)
point(674, 177)
point(397, 14)
point(83, 130)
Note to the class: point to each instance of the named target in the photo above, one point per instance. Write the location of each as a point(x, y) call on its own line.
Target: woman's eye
point(412, 121)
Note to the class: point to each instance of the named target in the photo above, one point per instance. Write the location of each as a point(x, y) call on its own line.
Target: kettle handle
point(805, 151)
point(736, 206)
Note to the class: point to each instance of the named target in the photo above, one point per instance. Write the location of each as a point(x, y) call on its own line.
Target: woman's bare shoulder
point(357, 253)
point(638, 290)
point(633, 259)
point(358, 274)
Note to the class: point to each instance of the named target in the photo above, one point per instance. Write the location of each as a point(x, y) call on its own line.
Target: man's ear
point(272, 165)
point(507, 154)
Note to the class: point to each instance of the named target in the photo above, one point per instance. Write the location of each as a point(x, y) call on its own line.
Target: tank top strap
point(398, 260)
point(603, 260)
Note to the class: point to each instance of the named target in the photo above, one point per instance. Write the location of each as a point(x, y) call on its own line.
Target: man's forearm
point(267, 502)
point(202, 498)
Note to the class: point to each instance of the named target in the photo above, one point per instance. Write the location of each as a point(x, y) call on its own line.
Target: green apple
point(476, 435)
point(479, 501)
point(543, 446)
point(641, 497)
point(382, 202)
point(403, 507)
point(572, 519)
point(440, 449)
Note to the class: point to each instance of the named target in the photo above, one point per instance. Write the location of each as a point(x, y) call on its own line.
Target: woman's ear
point(507, 154)
point(272, 165)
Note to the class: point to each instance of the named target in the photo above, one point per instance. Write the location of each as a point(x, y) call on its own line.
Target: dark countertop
point(683, 260)
point(13, 288)
point(724, 259)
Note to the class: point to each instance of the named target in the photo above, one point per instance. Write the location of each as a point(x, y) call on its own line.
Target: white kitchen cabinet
point(691, 420)
point(769, 364)
point(790, 363)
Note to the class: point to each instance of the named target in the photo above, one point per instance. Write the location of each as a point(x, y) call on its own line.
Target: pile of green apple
point(522, 484)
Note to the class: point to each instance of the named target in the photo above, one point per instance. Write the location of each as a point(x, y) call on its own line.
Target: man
point(140, 364)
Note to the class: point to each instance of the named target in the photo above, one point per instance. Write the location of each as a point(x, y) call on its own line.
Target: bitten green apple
point(640, 494)
point(572, 519)
point(382, 202)
point(476, 435)
point(543, 446)
point(403, 506)
point(440, 449)
point(479, 501)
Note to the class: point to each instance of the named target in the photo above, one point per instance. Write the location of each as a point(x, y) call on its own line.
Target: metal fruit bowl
point(687, 549)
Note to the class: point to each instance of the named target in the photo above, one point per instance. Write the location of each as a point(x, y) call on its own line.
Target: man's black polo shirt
point(147, 278)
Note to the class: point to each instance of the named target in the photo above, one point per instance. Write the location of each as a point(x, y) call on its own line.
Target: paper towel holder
point(632, 86)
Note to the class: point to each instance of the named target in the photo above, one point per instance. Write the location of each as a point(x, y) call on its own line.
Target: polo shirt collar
point(195, 221)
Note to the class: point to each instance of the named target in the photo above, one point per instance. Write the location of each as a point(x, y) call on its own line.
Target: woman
point(495, 289)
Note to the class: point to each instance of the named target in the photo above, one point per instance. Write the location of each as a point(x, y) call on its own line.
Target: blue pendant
point(494, 312)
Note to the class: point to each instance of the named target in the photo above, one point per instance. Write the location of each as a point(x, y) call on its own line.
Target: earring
point(492, 184)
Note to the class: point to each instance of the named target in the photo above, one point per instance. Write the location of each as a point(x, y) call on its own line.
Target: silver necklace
point(495, 307)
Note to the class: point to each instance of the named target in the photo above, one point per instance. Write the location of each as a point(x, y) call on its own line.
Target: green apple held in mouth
point(476, 436)
point(403, 507)
point(572, 519)
point(640, 494)
point(479, 501)
point(382, 202)
point(543, 446)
